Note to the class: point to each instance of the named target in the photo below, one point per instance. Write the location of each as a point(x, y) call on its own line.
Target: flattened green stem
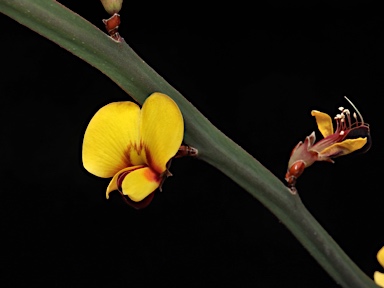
point(120, 63)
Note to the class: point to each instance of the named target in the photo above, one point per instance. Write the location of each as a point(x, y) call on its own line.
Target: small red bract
point(112, 26)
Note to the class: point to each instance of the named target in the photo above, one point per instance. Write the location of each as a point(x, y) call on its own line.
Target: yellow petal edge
point(380, 256)
point(379, 278)
point(344, 148)
point(324, 123)
point(162, 128)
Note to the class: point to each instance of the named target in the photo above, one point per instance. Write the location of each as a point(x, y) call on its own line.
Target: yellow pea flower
point(348, 137)
point(378, 276)
point(134, 146)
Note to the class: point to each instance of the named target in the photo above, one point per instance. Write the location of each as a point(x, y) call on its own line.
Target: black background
point(255, 72)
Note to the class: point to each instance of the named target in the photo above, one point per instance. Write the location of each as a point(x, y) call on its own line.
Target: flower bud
point(112, 6)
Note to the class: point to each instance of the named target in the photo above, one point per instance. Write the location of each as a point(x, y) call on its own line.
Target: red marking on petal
point(150, 161)
point(152, 175)
point(128, 155)
point(328, 141)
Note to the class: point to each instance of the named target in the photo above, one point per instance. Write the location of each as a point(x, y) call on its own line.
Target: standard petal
point(162, 129)
point(139, 183)
point(110, 138)
point(324, 123)
point(342, 148)
point(380, 256)
point(379, 278)
point(113, 184)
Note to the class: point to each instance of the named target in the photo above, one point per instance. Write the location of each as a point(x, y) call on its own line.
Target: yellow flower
point(134, 146)
point(348, 137)
point(378, 276)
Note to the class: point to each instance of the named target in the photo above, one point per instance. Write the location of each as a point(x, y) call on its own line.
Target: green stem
point(120, 63)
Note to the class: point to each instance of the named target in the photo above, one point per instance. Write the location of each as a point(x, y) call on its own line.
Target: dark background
point(255, 72)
